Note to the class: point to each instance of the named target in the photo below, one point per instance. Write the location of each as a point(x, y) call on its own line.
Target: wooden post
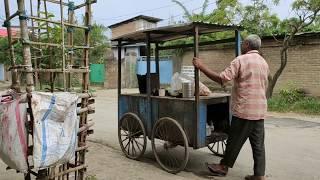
point(196, 76)
point(26, 46)
point(14, 73)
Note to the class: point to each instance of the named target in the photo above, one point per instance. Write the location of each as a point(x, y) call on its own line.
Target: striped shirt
point(250, 74)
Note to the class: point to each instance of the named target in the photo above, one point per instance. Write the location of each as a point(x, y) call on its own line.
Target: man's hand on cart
point(197, 62)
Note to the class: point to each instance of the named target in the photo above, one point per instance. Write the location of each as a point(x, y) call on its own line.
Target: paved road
point(292, 145)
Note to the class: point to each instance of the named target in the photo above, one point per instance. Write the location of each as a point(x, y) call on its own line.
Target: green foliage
point(91, 177)
point(225, 13)
point(291, 95)
point(4, 52)
point(257, 18)
point(294, 100)
point(98, 40)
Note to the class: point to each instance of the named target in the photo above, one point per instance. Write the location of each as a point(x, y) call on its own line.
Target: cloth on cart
point(178, 79)
point(13, 134)
point(55, 128)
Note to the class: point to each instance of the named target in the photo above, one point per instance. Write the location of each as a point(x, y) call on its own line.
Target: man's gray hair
point(254, 41)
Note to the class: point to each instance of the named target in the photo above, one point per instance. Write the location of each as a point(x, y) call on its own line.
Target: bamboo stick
point(49, 48)
point(62, 47)
point(10, 17)
point(71, 18)
point(86, 127)
point(58, 22)
point(85, 86)
point(71, 170)
point(56, 70)
point(39, 30)
point(26, 47)
point(82, 148)
point(57, 2)
point(84, 4)
point(84, 110)
point(86, 95)
point(14, 74)
point(55, 45)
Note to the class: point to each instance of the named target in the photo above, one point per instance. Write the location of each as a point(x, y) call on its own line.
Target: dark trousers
point(240, 131)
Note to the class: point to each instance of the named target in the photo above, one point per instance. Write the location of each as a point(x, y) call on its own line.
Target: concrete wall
point(302, 71)
point(124, 29)
point(131, 27)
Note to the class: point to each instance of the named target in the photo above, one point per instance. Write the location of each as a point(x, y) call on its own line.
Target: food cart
point(172, 124)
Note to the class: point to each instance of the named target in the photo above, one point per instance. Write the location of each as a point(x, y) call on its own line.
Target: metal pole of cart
point(196, 76)
point(148, 75)
point(238, 43)
point(157, 63)
point(237, 53)
point(119, 76)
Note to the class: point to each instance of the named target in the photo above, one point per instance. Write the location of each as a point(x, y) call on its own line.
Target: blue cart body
point(180, 109)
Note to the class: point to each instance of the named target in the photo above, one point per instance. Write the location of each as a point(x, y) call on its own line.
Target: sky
point(108, 12)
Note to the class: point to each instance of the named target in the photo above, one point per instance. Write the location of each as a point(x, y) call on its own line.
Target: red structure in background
point(4, 33)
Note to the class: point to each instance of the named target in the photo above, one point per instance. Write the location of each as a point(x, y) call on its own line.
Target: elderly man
point(249, 106)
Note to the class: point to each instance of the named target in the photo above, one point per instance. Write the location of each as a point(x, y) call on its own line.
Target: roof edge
point(149, 18)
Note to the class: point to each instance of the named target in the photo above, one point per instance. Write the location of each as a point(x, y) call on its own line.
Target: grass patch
point(91, 177)
point(294, 100)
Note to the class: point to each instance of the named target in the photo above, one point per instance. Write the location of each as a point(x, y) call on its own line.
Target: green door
point(97, 73)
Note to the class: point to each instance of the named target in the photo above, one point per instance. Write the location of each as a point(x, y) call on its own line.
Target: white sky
point(108, 12)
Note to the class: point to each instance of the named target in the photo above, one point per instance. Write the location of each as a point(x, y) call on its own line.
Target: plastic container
point(162, 92)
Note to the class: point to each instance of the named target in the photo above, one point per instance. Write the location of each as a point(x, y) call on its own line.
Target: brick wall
point(303, 68)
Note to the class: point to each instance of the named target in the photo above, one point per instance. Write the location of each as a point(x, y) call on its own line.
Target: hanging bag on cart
point(13, 134)
point(55, 128)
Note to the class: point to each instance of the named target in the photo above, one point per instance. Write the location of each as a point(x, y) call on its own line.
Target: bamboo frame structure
point(33, 50)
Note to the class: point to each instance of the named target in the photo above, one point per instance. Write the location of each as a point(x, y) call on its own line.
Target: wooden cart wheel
point(170, 145)
point(219, 144)
point(132, 136)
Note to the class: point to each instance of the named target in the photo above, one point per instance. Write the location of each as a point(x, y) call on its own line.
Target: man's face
point(244, 47)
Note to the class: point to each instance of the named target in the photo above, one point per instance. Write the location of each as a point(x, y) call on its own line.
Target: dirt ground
point(292, 149)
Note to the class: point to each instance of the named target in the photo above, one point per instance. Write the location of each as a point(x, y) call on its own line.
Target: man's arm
point(228, 74)
point(208, 72)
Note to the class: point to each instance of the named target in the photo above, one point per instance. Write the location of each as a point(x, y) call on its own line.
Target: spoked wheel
point(218, 147)
point(132, 136)
point(170, 145)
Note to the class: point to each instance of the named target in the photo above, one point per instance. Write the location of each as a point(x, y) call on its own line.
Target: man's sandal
point(216, 170)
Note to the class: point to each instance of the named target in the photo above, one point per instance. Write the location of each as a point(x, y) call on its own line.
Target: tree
point(233, 12)
point(256, 18)
point(191, 16)
point(308, 12)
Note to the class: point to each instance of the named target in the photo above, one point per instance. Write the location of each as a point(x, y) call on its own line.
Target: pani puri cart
point(172, 124)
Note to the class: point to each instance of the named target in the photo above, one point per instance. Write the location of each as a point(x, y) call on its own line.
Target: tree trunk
point(274, 79)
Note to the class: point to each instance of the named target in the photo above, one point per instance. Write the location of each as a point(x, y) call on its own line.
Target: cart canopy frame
point(158, 36)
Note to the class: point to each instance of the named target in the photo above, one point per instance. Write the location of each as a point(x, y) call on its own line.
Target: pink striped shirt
point(250, 74)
